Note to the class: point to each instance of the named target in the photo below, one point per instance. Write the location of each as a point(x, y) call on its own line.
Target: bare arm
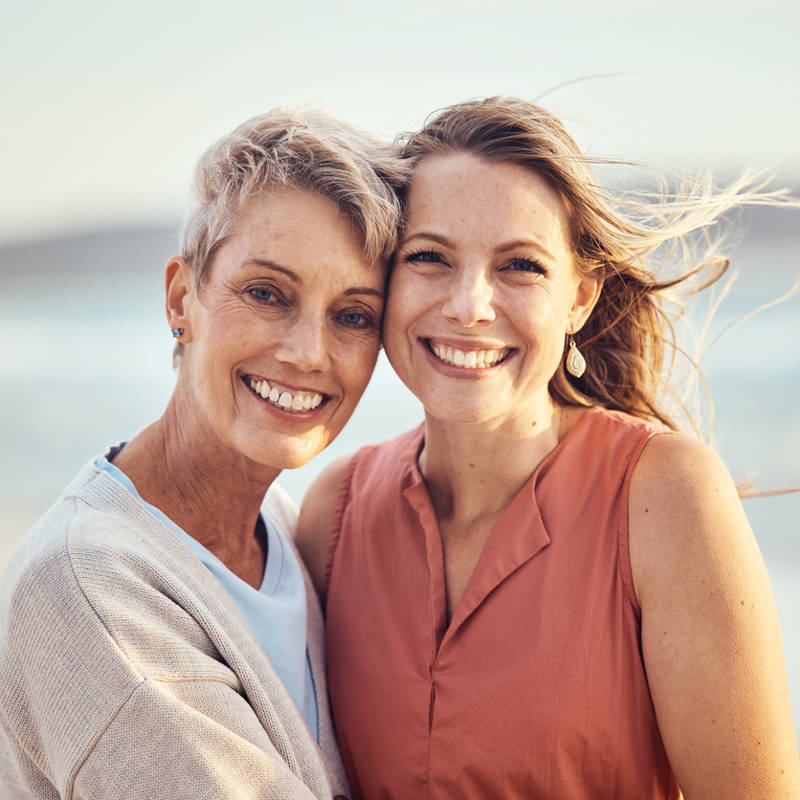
point(316, 520)
point(710, 637)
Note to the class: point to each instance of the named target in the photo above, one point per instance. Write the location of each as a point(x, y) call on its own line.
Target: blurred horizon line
point(622, 177)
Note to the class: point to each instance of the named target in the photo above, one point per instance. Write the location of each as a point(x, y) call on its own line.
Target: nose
point(469, 300)
point(304, 345)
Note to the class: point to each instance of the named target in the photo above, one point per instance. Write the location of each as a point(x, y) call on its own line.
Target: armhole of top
point(623, 527)
point(342, 497)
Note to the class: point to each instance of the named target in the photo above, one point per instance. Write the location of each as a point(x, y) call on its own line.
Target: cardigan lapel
point(210, 605)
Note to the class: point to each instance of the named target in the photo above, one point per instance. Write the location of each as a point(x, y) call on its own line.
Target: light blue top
point(275, 612)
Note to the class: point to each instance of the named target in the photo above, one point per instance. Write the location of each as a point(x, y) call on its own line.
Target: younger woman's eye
point(424, 257)
point(525, 265)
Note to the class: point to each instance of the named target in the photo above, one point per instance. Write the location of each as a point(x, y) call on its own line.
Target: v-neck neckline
point(518, 535)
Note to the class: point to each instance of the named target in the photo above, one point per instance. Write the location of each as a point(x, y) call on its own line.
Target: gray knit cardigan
point(127, 672)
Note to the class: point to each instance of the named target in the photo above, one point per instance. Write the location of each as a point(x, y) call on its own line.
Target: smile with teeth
point(283, 398)
point(468, 359)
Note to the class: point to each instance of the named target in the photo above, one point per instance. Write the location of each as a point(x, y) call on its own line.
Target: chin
point(285, 453)
point(460, 415)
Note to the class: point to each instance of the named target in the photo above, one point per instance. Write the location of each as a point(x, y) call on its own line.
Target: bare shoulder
point(682, 500)
point(676, 464)
point(710, 637)
point(315, 521)
point(690, 541)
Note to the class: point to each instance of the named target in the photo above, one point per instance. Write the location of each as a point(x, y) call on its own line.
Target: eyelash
point(530, 264)
point(416, 256)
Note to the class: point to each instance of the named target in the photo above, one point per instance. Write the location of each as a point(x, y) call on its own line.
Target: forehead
point(290, 217)
point(301, 230)
point(463, 192)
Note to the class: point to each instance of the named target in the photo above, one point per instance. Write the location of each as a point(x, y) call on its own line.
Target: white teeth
point(298, 401)
point(469, 359)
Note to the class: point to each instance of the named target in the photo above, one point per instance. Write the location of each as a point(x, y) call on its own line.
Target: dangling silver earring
point(576, 363)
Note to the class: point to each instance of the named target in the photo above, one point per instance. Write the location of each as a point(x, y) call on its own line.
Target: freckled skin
point(290, 298)
point(297, 340)
point(485, 265)
point(477, 290)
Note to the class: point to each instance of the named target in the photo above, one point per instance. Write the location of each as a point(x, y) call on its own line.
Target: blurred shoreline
point(88, 363)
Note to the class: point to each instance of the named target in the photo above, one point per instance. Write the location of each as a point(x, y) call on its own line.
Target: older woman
point(545, 591)
point(155, 636)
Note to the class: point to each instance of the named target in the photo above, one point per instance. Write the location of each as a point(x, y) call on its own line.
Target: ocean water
point(86, 356)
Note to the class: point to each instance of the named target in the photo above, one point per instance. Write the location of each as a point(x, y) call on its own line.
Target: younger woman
point(545, 591)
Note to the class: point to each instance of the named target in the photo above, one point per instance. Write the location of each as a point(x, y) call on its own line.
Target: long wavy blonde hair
point(651, 247)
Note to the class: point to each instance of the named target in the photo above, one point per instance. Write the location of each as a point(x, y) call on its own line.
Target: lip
point(466, 373)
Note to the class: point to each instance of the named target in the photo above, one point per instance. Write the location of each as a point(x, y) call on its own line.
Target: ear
point(179, 285)
point(587, 293)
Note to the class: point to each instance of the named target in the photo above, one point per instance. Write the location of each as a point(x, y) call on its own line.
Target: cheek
point(357, 365)
point(402, 308)
point(393, 334)
point(540, 311)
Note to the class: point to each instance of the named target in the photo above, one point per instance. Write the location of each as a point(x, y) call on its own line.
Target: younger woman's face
point(484, 290)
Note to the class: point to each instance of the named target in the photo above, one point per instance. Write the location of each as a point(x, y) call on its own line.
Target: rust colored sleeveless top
point(536, 688)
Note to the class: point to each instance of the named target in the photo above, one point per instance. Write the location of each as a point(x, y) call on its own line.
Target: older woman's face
point(483, 291)
point(285, 333)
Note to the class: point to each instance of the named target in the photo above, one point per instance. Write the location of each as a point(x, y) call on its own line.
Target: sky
point(107, 105)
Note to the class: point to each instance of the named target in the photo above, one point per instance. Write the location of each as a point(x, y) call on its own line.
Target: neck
point(180, 466)
point(475, 470)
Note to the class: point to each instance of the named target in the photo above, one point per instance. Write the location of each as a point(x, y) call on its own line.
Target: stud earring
point(177, 333)
point(576, 363)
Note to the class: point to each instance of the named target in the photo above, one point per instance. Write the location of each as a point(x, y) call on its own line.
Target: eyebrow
point(364, 290)
point(503, 248)
point(525, 243)
point(263, 262)
point(294, 277)
point(435, 237)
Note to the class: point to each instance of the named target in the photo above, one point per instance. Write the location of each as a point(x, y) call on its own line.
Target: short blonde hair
point(629, 336)
point(299, 149)
point(302, 149)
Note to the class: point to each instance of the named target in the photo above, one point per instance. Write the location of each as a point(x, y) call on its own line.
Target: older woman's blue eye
point(262, 294)
point(355, 319)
